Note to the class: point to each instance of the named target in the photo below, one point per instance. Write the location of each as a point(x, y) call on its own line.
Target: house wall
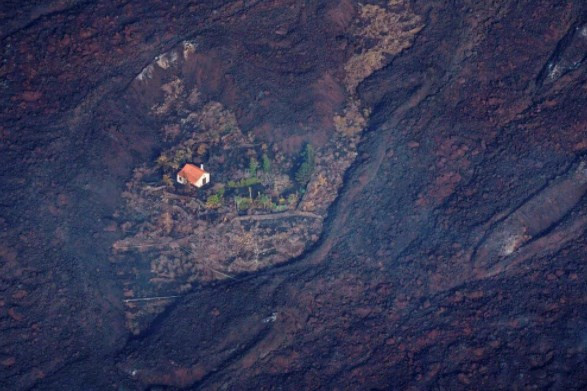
point(200, 181)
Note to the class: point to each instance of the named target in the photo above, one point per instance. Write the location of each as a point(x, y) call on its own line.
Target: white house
point(193, 175)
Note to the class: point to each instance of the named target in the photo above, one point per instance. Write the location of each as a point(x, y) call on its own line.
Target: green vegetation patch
point(304, 172)
point(245, 182)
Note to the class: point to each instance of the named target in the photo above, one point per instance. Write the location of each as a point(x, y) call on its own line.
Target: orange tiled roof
point(191, 173)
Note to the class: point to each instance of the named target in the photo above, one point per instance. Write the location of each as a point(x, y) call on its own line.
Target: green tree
point(304, 172)
point(216, 200)
point(253, 166)
point(266, 163)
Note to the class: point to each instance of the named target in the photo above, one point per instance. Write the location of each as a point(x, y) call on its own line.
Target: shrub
point(245, 182)
point(162, 161)
point(292, 200)
point(264, 201)
point(167, 180)
point(266, 163)
point(242, 203)
point(202, 149)
point(215, 201)
point(253, 166)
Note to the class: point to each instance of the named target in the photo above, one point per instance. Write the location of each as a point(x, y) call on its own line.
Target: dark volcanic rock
point(453, 258)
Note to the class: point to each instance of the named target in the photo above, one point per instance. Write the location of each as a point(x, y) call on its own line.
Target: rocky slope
point(452, 258)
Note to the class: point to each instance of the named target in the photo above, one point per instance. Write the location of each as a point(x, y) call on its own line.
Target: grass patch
point(245, 182)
